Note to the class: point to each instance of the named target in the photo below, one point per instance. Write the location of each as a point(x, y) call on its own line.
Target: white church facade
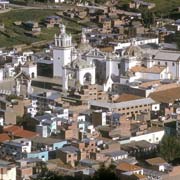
point(68, 63)
point(87, 65)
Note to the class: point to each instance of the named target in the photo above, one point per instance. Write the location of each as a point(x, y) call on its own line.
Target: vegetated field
point(14, 35)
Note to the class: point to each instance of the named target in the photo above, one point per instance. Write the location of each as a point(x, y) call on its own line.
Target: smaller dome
point(133, 50)
point(84, 44)
point(83, 47)
point(80, 63)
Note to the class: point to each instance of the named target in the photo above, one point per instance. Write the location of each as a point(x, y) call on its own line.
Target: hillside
point(14, 35)
point(162, 6)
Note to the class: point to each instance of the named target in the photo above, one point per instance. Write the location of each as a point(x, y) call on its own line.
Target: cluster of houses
point(73, 107)
point(110, 109)
point(33, 28)
point(73, 142)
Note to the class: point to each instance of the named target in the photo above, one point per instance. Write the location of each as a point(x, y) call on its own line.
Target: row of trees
point(104, 173)
point(170, 148)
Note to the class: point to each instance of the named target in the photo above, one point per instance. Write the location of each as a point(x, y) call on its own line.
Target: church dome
point(84, 45)
point(80, 63)
point(133, 50)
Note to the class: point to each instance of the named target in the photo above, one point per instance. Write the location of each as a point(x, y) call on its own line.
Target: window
point(69, 155)
point(166, 63)
point(158, 63)
point(173, 64)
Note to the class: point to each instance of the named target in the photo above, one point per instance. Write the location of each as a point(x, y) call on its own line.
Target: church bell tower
point(62, 52)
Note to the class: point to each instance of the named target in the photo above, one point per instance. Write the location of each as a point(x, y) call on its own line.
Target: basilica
point(84, 64)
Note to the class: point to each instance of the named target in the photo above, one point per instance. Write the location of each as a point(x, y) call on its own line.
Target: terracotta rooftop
point(166, 96)
point(175, 171)
point(154, 69)
point(12, 128)
point(19, 132)
point(25, 134)
point(150, 83)
point(156, 161)
point(4, 137)
point(124, 166)
point(107, 49)
point(140, 176)
point(163, 87)
point(127, 97)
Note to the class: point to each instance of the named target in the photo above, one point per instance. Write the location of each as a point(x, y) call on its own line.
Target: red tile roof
point(25, 134)
point(166, 96)
point(128, 167)
point(154, 69)
point(18, 131)
point(127, 97)
point(4, 137)
point(12, 128)
point(156, 161)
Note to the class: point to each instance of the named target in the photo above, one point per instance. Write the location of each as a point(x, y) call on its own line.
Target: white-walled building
point(9, 70)
point(8, 170)
point(1, 74)
point(62, 52)
point(68, 65)
point(32, 108)
point(17, 148)
point(138, 64)
point(22, 84)
point(154, 135)
point(137, 42)
point(30, 68)
point(81, 71)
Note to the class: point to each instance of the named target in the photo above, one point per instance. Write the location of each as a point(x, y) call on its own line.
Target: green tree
point(170, 148)
point(177, 39)
point(148, 17)
point(105, 173)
